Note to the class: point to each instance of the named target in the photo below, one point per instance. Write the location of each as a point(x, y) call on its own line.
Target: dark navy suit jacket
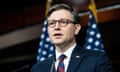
point(82, 60)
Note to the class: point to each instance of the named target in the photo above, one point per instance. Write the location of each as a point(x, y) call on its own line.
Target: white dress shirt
point(67, 59)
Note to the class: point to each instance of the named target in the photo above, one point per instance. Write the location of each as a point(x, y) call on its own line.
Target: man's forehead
point(62, 13)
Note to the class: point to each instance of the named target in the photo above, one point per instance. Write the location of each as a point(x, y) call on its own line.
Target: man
point(63, 26)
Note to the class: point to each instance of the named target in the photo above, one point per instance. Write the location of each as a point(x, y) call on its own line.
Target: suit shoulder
point(41, 66)
point(94, 52)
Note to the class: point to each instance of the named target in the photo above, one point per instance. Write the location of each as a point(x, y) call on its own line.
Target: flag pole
point(92, 8)
point(48, 4)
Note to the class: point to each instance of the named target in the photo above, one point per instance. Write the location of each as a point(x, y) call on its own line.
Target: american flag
point(93, 39)
point(46, 48)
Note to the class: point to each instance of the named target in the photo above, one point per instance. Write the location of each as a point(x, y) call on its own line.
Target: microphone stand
point(21, 68)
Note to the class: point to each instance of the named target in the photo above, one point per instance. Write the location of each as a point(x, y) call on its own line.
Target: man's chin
point(58, 43)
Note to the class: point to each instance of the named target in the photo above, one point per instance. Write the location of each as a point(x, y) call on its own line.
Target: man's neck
point(63, 47)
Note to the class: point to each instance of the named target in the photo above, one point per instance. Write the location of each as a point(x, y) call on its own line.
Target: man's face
point(60, 34)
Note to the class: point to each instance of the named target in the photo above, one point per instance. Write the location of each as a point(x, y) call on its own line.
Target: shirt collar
point(67, 53)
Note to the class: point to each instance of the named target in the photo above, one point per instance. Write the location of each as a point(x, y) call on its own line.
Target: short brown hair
point(66, 7)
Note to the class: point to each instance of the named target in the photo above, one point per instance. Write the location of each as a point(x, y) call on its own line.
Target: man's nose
point(57, 25)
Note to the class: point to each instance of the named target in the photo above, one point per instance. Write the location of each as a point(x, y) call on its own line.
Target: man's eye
point(51, 23)
point(64, 22)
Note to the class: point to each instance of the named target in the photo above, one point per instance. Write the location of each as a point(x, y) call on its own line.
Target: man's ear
point(77, 28)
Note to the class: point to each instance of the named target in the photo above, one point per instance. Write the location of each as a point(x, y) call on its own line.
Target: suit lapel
point(76, 58)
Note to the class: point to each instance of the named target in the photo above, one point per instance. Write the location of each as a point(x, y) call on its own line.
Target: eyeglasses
point(61, 22)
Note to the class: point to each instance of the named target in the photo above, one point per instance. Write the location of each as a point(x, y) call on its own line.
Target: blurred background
point(21, 24)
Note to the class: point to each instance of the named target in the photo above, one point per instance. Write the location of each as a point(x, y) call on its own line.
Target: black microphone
point(53, 64)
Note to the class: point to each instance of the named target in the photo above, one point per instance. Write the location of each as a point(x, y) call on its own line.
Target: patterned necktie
point(61, 67)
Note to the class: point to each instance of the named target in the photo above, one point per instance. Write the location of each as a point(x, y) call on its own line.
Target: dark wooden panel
point(82, 5)
point(11, 21)
point(35, 14)
point(22, 18)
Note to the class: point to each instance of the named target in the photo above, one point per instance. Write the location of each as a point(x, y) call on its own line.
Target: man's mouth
point(57, 35)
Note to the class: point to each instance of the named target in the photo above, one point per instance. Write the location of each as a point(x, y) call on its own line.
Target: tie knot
point(62, 57)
